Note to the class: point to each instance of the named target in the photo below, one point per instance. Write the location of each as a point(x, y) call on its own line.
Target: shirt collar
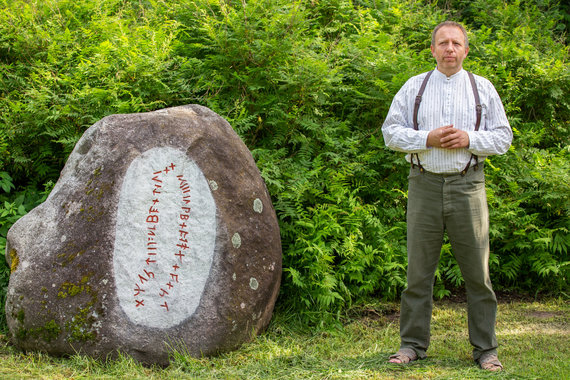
point(438, 74)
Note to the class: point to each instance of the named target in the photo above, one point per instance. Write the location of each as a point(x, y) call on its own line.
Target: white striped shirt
point(447, 100)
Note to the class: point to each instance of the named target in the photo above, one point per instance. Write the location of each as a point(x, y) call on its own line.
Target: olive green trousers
point(456, 204)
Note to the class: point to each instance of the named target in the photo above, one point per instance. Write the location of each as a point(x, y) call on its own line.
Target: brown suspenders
point(478, 109)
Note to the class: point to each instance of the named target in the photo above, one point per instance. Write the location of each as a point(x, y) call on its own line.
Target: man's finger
point(449, 135)
point(457, 139)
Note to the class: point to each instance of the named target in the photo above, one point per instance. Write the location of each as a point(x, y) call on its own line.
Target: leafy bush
point(307, 86)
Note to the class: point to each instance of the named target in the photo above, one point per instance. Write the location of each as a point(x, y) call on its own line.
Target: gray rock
point(159, 236)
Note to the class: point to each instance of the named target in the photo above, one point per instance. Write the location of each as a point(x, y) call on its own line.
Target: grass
point(533, 337)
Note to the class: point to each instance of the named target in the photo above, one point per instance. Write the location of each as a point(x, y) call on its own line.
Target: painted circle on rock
point(164, 238)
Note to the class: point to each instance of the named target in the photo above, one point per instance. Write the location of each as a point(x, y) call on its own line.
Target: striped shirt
point(447, 100)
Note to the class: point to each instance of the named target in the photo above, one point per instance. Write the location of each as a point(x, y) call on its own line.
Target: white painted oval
point(157, 286)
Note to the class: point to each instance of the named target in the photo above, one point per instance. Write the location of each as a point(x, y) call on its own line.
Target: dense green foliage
point(306, 84)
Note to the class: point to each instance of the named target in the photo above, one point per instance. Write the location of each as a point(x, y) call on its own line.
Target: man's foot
point(403, 356)
point(490, 362)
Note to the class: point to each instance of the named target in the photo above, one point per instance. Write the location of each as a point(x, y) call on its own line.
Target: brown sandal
point(403, 356)
point(490, 362)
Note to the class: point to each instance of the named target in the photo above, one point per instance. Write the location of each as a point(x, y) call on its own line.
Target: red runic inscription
point(154, 245)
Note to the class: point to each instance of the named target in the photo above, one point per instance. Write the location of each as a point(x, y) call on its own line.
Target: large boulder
point(160, 235)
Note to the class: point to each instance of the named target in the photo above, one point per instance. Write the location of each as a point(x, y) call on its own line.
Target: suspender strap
point(416, 108)
point(419, 99)
point(478, 107)
point(478, 111)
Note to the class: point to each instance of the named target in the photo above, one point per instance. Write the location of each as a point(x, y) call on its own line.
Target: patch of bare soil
point(545, 314)
point(460, 296)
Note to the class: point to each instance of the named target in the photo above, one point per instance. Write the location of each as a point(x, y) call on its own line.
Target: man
point(447, 141)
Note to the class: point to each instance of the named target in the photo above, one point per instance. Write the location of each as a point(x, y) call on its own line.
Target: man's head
point(449, 47)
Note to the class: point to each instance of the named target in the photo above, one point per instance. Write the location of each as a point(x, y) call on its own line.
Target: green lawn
point(533, 337)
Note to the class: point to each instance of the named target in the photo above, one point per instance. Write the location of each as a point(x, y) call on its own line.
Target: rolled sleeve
point(487, 143)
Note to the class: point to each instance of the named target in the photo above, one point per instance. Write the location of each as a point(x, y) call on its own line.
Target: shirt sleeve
point(398, 129)
point(496, 135)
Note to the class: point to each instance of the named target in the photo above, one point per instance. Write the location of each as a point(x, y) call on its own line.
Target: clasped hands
point(448, 137)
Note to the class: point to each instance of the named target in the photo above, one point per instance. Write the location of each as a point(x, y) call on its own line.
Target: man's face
point(449, 50)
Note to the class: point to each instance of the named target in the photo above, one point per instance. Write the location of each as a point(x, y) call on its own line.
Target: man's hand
point(448, 137)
